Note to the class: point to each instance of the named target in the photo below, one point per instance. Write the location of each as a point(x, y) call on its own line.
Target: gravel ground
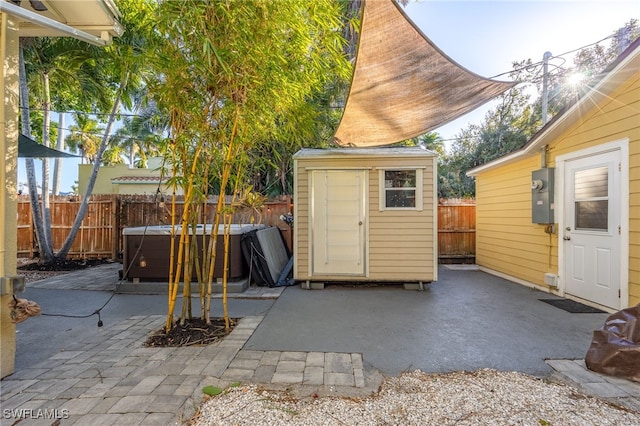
point(461, 398)
point(32, 276)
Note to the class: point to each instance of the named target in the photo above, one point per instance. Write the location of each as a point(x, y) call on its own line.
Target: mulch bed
point(195, 331)
point(60, 265)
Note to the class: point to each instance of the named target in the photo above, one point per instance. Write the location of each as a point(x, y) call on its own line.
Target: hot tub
point(155, 245)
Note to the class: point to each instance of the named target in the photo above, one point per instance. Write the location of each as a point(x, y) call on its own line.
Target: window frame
point(595, 198)
point(419, 188)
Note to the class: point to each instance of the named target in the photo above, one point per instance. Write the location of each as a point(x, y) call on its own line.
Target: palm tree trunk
point(46, 253)
point(84, 205)
point(46, 123)
point(57, 168)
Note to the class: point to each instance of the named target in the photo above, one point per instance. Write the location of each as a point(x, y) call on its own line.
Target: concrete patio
point(338, 341)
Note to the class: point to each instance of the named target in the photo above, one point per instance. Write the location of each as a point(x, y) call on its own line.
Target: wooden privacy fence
point(95, 239)
point(100, 235)
point(456, 231)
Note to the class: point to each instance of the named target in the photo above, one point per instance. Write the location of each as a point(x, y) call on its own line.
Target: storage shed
point(365, 214)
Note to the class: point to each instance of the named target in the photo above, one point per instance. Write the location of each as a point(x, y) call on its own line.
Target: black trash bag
point(615, 347)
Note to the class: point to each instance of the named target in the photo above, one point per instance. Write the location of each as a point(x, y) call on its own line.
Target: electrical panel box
point(542, 205)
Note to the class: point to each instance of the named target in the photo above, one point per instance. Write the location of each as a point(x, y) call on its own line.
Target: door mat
point(572, 306)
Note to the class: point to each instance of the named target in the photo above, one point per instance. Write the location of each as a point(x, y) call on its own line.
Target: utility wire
point(81, 112)
point(497, 75)
point(125, 273)
point(553, 57)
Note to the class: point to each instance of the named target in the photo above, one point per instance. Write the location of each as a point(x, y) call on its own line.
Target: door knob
point(360, 223)
point(566, 238)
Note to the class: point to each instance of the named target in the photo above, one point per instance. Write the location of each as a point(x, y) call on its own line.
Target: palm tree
point(85, 137)
point(136, 140)
point(127, 60)
point(58, 66)
point(118, 66)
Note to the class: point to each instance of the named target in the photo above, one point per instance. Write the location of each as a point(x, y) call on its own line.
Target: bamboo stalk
point(185, 220)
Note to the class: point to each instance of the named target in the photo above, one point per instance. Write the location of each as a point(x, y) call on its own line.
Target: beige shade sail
point(403, 85)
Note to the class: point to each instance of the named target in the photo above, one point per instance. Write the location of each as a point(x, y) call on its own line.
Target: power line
point(560, 56)
point(529, 66)
point(81, 112)
point(125, 273)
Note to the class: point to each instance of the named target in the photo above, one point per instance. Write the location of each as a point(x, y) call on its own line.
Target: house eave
point(96, 22)
point(626, 66)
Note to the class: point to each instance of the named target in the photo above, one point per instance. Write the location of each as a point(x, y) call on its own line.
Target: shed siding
point(400, 243)
point(508, 242)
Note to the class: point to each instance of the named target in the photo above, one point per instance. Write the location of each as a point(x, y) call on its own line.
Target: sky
point(486, 37)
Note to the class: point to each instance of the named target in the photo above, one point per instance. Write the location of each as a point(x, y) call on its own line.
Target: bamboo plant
point(232, 74)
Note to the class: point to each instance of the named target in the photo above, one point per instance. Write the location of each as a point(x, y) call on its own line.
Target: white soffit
point(94, 21)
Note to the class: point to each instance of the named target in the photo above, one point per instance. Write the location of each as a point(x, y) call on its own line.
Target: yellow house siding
point(507, 241)
point(400, 243)
point(104, 185)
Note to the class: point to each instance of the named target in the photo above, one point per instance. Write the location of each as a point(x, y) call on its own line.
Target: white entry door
point(592, 220)
point(338, 222)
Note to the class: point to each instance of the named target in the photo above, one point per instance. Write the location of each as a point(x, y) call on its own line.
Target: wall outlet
point(551, 279)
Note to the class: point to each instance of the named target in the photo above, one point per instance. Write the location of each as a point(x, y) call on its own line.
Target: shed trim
point(400, 168)
point(419, 190)
point(396, 152)
point(337, 168)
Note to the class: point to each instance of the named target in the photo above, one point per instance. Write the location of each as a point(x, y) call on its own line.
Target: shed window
point(401, 189)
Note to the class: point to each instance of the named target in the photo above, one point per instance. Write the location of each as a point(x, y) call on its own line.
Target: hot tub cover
point(269, 259)
point(235, 229)
point(403, 85)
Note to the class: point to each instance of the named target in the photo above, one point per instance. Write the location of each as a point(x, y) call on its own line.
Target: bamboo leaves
point(233, 75)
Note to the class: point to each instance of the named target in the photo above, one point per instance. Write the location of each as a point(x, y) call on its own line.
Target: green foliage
point(588, 63)
point(516, 118)
point(76, 79)
point(279, 63)
point(212, 390)
point(506, 128)
point(236, 80)
point(85, 137)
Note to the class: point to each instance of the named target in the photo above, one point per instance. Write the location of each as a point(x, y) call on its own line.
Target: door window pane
point(591, 183)
point(591, 199)
point(592, 215)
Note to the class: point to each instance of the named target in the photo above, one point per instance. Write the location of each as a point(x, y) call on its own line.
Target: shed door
point(592, 220)
point(338, 222)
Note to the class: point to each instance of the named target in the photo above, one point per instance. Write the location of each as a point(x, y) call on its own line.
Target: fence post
point(114, 227)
